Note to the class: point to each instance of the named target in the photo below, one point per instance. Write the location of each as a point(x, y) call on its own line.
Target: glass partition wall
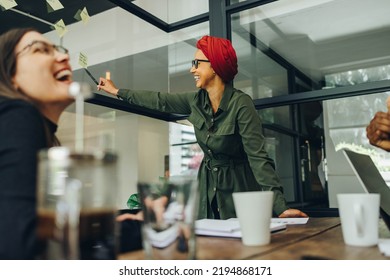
point(294, 133)
point(297, 52)
point(317, 71)
point(138, 56)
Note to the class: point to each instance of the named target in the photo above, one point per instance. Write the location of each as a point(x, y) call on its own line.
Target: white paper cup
point(359, 215)
point(254, 212)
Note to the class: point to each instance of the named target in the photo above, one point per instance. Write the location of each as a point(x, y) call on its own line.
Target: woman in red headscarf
point(227, 128)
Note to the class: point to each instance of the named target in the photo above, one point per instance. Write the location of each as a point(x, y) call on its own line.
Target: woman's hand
point(127, 216)
point(293, 213)
point(108, 86)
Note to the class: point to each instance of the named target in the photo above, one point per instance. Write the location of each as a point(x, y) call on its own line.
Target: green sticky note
point(53, 5)
point(77, 15)
point(83, 60)
point(60, 27)
point(84, 15)
point(8, 4)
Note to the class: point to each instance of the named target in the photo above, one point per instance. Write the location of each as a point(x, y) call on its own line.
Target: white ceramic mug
point(359, 214)
point(254, 212)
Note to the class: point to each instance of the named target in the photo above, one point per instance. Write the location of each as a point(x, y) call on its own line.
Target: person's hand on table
point(293, 213)
point(127, 216)
point(157, 205)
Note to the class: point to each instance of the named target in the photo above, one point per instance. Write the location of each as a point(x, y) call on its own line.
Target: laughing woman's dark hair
point(8, 42)
point(24, 130)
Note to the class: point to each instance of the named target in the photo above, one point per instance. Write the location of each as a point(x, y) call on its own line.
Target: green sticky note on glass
point(7, 4)
point(82, 15)
point(60, 27)
point(83, 60)
point(53, 5)
point(77, 15)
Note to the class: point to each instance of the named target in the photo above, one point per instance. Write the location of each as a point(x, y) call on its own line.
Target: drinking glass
point(169, 215)
point(77, 204)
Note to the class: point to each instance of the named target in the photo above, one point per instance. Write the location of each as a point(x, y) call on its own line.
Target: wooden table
point(320, 238)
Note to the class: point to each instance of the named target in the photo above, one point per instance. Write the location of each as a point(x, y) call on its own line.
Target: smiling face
point(204, 75)
point(43, 72)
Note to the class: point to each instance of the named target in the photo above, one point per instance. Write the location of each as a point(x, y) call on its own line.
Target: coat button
point(215, 189)
point(215, 169)
point(209, 151)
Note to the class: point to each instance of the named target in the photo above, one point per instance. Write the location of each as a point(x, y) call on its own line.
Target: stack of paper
point(290, 221)
point(226, 228)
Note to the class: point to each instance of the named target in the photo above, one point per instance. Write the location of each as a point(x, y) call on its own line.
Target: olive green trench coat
point(235, 159)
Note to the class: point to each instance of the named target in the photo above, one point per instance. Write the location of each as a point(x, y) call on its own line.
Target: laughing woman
point(34, 79)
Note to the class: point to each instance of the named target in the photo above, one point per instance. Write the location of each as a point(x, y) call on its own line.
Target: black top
point(22, 135)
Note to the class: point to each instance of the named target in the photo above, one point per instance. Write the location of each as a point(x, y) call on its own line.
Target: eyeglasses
point(195, 62)
point(43, 47)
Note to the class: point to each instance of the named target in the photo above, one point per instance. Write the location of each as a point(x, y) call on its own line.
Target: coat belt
point(211, 163)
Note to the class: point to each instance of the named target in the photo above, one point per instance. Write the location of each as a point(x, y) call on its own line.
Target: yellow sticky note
point(84, 15)
point(77, 15)
point(54, 5)
point(83, 60)
point(8, 4)
point(60, 28)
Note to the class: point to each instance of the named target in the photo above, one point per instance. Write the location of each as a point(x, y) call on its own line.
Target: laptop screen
point(371, 180)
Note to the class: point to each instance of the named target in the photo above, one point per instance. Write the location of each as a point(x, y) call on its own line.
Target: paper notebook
point(226, 228)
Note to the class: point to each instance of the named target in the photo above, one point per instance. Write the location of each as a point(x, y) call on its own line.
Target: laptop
point(371, 180)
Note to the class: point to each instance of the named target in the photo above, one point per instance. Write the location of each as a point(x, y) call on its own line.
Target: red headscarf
point(221, 54)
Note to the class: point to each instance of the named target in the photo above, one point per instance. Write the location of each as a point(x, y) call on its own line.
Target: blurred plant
point(378, 158)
